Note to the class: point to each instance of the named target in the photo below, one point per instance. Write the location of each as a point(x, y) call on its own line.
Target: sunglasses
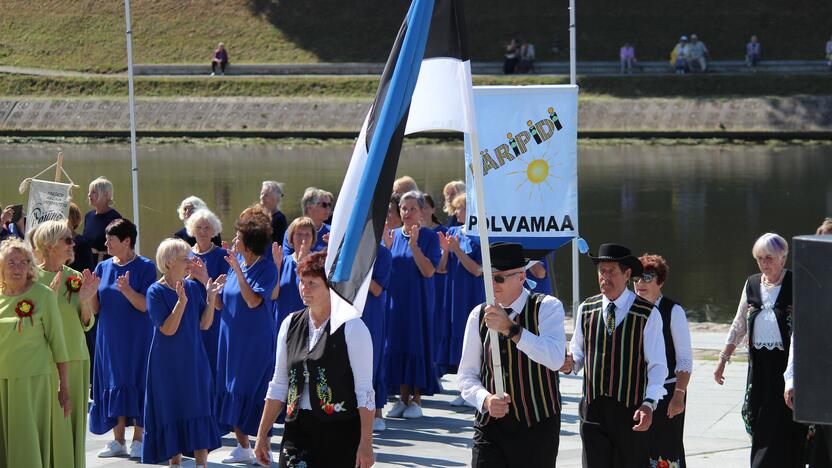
point(325, 204)
point(500, 279)
point(645, 278)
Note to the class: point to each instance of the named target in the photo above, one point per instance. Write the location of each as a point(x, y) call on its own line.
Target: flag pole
point(482, 227)
point(132, 103)
point(576, 293)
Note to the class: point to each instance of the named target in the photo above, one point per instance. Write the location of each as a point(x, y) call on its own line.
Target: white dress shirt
point(788, 375)
point(681, 340)
point(548, 348)
point(766, 329)
point(654, 355)
point(359, 349)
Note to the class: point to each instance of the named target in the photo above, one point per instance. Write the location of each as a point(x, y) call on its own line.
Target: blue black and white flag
point(426, 85)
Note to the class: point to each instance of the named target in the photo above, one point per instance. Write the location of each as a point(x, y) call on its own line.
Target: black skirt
point(777, 441)
point(666, 434)
point(312, 443)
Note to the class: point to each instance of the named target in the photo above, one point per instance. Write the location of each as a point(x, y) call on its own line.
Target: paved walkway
point(714, 434)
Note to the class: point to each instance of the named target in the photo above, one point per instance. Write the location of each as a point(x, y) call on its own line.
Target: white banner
point(47, 200)
point(528, 137)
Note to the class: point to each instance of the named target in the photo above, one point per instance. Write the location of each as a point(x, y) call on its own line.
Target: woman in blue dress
point(122, 340)
point(409, 362)
point(245, 357)
point(441, 315)
point(204, 226)
point(286, 296)
point(179, 408)
point(461, 259)
point(317, 205)
point(375, 311)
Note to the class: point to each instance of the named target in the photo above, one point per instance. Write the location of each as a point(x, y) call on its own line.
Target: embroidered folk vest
point(533, 387)
point(754, 296)
point(332, 395)
point(614, 364)
point(666, 309)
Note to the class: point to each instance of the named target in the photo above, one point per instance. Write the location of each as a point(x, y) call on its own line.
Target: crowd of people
point(213, 337)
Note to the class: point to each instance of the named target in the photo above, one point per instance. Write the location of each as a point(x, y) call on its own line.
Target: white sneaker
point(414, 411)
point(458, 401)
point(379, 425)
point(213, 74)
point(113, 449)
point(397, 410)
point(240, 455)
point(135, 449)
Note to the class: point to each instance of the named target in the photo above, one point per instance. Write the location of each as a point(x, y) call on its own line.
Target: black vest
point(533, 387)
point(614, 364)
point(754, 296)
point(666, 309)
point(328, 365)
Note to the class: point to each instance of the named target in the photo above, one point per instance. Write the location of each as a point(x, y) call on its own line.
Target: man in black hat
point(522, 427)
point(619, 344)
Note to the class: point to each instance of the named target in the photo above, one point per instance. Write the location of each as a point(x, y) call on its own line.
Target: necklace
point(779, 281)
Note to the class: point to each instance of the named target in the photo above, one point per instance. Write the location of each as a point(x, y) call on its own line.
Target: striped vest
point(614, 363)
point(533, 387)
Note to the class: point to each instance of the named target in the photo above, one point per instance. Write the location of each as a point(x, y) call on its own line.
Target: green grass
point(365, 87)
point(88, 35)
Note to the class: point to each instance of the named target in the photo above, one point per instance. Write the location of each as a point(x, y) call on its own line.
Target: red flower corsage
point(25, 308)
point(73, 285)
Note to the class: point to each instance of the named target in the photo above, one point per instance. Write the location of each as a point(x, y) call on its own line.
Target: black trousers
point(822, 450)
point(508, 443)
point(312, 443)
point(608, 437)
point(665, 434)
point(222, 66)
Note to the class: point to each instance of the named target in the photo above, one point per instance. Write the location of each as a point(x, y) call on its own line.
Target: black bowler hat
point(507, 256)
point(618, 253)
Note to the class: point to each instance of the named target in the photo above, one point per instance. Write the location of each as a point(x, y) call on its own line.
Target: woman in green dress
point(54, 245)
point(34, 430)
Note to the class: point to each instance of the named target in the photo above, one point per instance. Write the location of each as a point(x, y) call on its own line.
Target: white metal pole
point(576, 293)
point(132, 103)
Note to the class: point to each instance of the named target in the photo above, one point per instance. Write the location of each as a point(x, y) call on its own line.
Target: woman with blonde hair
point(286, 295)
point(764, 321)
point(36, 400)
point(450, 192)
point(54, 242)
point(96, 220)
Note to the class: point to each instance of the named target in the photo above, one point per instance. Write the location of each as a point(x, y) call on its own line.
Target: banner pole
point(58, 165)
point(132, 103)
point(576, 292)
point(493, 335)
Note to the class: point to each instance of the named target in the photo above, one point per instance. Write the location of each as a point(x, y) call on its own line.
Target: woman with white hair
point(271, 194)
point(35, 428)
point(54, 243)
point(764, 321)
point(316, 204)
point(187, 208)
point(178, 411)
point(96, 220)
point(204, 226)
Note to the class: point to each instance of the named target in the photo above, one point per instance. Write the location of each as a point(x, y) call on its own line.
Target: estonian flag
point(426, 85)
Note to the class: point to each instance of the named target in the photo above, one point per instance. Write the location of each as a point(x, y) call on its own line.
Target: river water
point(701, 206)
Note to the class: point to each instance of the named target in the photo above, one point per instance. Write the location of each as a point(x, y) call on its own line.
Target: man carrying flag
point(522, 428)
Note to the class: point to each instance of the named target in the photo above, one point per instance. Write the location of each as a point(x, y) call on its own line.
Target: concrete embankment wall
point(780, 117)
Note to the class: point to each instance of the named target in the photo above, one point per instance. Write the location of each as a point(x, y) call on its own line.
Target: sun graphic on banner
point(538, 173)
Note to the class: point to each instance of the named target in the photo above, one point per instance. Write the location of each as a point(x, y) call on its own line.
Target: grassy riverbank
point(365, 87)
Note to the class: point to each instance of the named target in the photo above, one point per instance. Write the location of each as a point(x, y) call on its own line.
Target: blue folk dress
point(409, 359)
point(442, 318)
point(216, 265)
point(375, 311)
point(246, 353)
point(288, 300)
point(464, 292)
point(122, 344)
point(179, 408)
point(319, 241)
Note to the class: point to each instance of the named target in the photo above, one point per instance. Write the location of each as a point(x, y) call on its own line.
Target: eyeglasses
point(500, 279)
point(645, 278)
point(325, 204)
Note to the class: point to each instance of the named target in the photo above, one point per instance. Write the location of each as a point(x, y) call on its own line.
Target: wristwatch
point(651, 403)
point(514, 330)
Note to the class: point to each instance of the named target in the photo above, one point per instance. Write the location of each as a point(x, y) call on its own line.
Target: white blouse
point(360, 351)
point(681, 340)
point(766, 330)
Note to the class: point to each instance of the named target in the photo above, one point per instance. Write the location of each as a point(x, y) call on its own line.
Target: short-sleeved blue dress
point(543, 285)
point(122, 343)
point(288, 300)
point(179, 401)
point(319, 241)
point(464, 292)
point(409, 359)
point(216, 265)
point(246, 353)
point(375, 311)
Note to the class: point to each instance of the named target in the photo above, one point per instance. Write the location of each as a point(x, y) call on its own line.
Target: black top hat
point(618, 253)
point(507, 256)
